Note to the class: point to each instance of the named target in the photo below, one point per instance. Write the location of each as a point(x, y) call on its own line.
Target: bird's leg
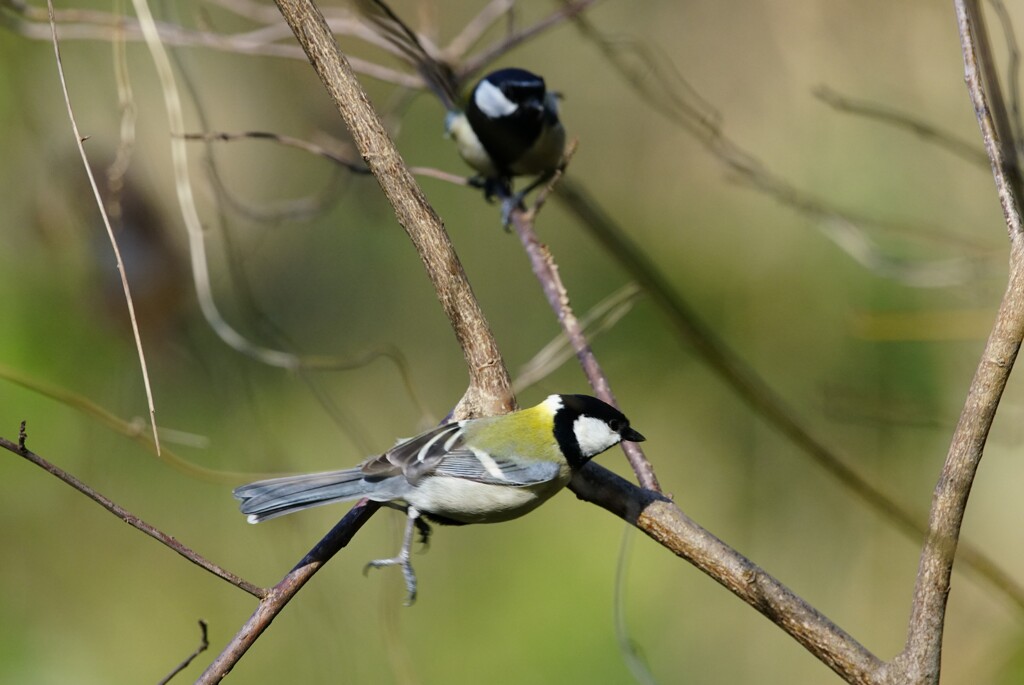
point(537, 183)
point(402, 559)
point(511, 202)
point(423, 528)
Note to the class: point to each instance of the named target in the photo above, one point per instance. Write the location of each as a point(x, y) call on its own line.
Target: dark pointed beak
point(535, 107)
point(632, 435)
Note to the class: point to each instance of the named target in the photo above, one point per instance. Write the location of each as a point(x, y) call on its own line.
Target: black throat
point(508, 138)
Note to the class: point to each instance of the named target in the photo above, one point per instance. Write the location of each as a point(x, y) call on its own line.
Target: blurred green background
point(875, 367)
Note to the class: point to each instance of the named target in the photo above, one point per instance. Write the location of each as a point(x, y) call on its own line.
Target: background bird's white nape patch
point(593, 435)
point(492, 102)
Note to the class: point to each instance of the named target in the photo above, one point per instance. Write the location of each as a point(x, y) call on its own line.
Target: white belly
point(471, 502)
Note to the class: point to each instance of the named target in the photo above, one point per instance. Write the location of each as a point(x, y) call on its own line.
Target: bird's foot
point(402, 558)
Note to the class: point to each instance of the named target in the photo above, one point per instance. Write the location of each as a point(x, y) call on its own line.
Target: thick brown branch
point(920, 661)
point(664, 522)
point(490, 387)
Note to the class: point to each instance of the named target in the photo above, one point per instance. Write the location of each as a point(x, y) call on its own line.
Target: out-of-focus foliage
point(876, 368)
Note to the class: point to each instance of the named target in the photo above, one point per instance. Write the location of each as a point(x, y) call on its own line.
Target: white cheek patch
point(593, 435)
point(492, 102)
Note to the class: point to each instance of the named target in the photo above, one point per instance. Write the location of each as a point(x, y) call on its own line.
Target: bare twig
point(105, 26)
point(658, 83)
point(599, 319)
point(1012, 69)
point(546, 271)
point(129, 518)
point(963, 149)
point(990, 110)
point(475, 29)
point(204, 644)
point(356, 167)
point(475, 63)
point(110, 231)
point(134, 429)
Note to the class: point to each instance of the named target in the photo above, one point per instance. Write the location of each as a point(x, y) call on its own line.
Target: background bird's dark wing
point(439, 77)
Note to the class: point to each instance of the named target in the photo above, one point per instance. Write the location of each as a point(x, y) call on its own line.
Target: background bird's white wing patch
point(492, 102)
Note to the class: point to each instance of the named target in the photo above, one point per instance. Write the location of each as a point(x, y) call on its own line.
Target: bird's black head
point(585, 426)
point(508, 111)
point(510, 92)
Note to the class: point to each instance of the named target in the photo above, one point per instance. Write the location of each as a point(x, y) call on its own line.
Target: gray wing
point(482, 468)
point(442, 452)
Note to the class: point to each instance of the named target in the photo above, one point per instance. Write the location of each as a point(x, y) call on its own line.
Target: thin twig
point(204, 644)
point(1012, 68)
point(986, 96)
point(133, 429)
point(106, 26)
point(110, 231)
point(475, 63)
point(546, 271)
point(356, 167)
point(657, 82)
point(963, 149)
point(475, 29)
point(129, 518)
point(601, 317)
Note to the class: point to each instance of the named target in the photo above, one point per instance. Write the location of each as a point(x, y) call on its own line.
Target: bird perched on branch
point(508, 127)
point(482, 470)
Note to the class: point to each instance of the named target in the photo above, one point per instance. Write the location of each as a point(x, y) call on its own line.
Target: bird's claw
point(408, 573)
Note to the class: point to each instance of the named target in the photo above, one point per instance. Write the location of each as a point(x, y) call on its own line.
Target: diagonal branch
point(128, 517)
point(279, 595)
point(546, 271)
point(920, 660)
point(489, 390)
point(661, 520)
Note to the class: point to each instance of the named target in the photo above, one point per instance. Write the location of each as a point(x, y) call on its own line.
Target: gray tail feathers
point(267, 499)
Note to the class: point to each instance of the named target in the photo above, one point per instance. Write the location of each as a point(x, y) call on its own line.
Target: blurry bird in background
point(508, 127)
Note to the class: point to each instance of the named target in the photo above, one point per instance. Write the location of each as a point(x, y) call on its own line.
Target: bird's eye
point(617, 425)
